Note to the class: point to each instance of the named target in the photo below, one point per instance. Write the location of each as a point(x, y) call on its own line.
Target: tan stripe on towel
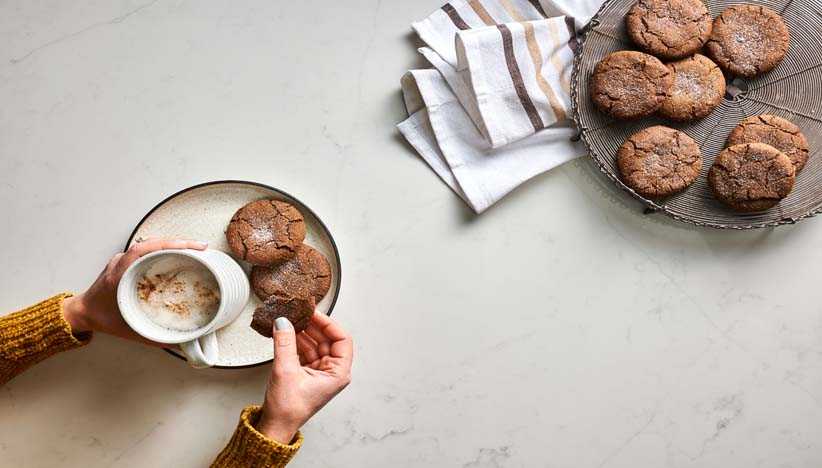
point(512, 10)
point(564, 81)
point(482, 12)
point(536, 57)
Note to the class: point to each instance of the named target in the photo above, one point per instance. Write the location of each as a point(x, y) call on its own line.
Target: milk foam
point(178, 293)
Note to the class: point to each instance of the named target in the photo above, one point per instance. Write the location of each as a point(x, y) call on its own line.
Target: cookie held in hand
point(266, 232)
point(297, 310)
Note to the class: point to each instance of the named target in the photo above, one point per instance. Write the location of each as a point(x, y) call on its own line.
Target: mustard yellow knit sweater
point(33, 334)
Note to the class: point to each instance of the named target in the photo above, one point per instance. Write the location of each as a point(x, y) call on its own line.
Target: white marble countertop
point(561, 329)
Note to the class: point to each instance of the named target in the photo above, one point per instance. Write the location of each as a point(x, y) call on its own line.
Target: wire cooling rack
point(793, 90)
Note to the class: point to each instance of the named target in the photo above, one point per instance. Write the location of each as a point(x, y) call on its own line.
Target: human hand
point(309, 369)
point(96, 309)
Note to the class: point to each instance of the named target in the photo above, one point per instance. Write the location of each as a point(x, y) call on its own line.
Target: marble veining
point(562, 328)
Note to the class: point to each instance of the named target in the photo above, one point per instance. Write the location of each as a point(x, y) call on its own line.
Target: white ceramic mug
point(199, 345)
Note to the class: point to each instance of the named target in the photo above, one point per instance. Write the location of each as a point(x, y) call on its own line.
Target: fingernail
point(203, 244)
point(282, 323)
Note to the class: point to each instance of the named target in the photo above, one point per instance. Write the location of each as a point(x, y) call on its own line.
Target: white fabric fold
point(448, 141)
point(580, 10)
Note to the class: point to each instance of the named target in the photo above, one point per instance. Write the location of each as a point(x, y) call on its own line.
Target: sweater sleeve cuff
point(250, 448)
point(39, 331)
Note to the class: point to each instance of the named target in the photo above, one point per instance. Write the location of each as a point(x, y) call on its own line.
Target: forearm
point(249, 448)
point(33, 334)
point(45, 329)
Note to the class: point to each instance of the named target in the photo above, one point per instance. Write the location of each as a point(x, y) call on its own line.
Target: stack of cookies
point(743, 41)
point(289, 276)
point(758, 167)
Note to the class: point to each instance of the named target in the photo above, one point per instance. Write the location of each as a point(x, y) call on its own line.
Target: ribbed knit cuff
point(38, 332)
point(250, 448)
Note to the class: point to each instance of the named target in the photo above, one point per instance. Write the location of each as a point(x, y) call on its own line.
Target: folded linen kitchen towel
point(446, 138)
point(511, 73)
point(494, 112)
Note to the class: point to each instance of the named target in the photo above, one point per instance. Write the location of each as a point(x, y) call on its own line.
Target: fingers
point(113, 264)
point(286, 359)
point(307, 349)
point(115, 259)
point(323, 343)
point(139, 249)
point(340, 343)
point(329, 327)
point(121, 329)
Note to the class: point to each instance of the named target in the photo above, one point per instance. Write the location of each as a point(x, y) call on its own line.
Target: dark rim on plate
point(260, 185)
point(798, 87)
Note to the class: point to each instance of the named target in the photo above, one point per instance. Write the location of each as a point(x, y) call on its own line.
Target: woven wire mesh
point(793, 90)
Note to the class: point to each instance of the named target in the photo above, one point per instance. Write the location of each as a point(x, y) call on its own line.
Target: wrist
point(276, 429)
point(74, 313)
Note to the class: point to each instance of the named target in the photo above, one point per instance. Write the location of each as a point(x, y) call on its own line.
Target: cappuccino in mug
point(178, 293)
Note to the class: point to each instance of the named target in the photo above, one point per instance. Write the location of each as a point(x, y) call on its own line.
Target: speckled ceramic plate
point(202, 212)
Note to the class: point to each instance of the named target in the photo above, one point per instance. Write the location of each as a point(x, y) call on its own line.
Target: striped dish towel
point(524, 89)
point(494, 111)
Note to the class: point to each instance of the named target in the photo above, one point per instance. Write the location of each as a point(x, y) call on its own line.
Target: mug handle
point(201, 352)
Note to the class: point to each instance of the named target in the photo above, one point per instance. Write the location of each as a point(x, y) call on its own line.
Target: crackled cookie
point(629, 84)
point(297, 310)
point(698, 88)
point(659, 161)
point(266, 232)
point(775, 131)
point(751, 177)
point(669, 29)
point(306, 275)
point(748, 40)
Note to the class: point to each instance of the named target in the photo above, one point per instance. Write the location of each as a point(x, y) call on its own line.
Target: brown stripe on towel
point(536, 57)
point(570, 23)
point(480, 10)
point(516, 76)
point(455, 17)
point(538, 6)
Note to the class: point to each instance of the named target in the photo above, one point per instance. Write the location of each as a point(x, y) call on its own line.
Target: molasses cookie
point(698, 88)
point(669, 29)
point(751, 177)
point(629, 85)
point(306, 275)
point(297, 310)
point(748, 40)
point(659, 161)
point(775, 131)
point(266, 232)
